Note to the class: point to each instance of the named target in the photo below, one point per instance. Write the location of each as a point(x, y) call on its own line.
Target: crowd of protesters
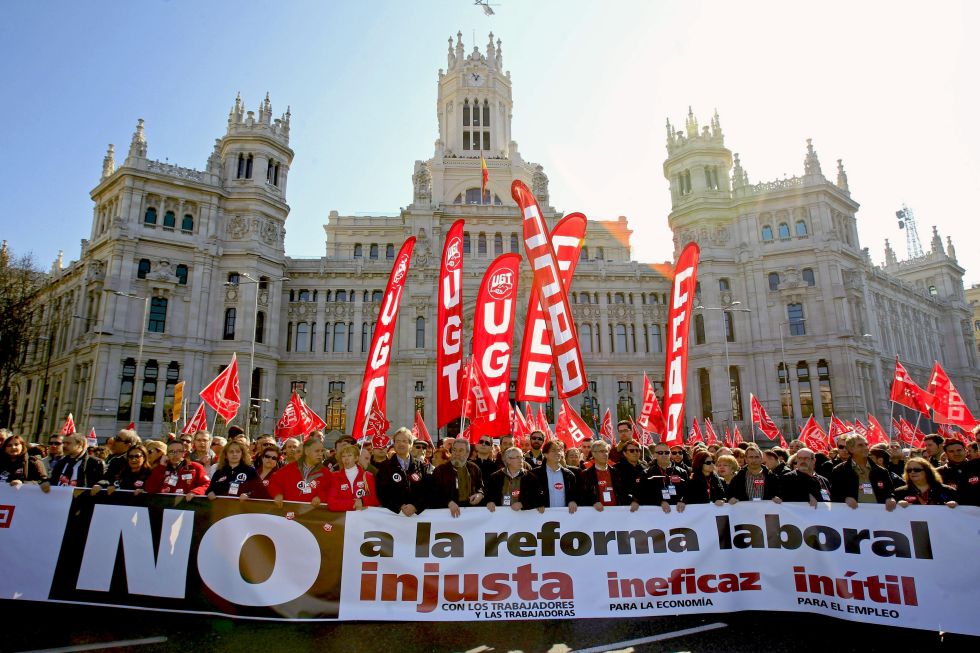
point(412, 475)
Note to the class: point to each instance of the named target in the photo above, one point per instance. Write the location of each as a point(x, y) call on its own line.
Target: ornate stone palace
point(183, 267)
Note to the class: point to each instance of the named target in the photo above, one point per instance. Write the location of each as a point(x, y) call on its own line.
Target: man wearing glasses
point(55, 453)
point(631, 472)
point(860, 480)
point(664, 484)
point(535, 457)
point(624, 431)
point(177, 475)
point(600, 484)
point(513, 486)
point(485, 460)
point(401, 479)
point(961, 474)
point(803, 484)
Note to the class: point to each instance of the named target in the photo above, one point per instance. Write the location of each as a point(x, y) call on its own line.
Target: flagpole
point(466, 396)
point(892, 423)
point(752, 412)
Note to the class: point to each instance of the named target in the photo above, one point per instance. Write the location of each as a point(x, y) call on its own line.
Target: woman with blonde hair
point(352, 487)
point(234, 475)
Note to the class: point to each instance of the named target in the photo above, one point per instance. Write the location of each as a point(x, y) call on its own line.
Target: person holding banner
point(961, 474)
point(663, 484)
point(306, 480)
point(859, 479)
point(135, 474)
point(78, 468)
point(178, 475)
point(457, 484)
point(754, 482)
point(513, 486)
point(705, 486)
point(599, 484)
point(802, 484)
point(351, 486)
point(267, 463)
point(234, 475)
point(17, 467)
point(401, 479)
point(924, 487)
point(559, 485)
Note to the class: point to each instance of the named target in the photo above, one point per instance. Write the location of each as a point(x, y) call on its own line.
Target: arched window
point(150, 217)
point(729, 326)
point(699, 329)
point(260, 326)
point(498, 244)
point(169, 220)
point(339, 337)
point(619, 298)
point(801, 231)
point(808, 277)
point(515, 246)
point(826, 394)
point(797, 322)
point(466, 114)
point(315, 293)
point(302, 337)
point(241, 166)
point(583, 254)
point(229, 332)
point(600, 254)
point(358, 251)
point(148, 397)
point(389, 252)
point(481, 243)
point(341, 295)
point(785, 391)
point(656, 339)
point(585, 338)
point(783, 231)
point(304, 295)
point(143, 268)
point(466, 242)
point(187, 224)
point(735, 386)
point(377, 295)
point(365, 338)
point(806, 389)
point(724, 285)
point(620, 345)
point(420, 333)
point(182, 274)
point(373, 252)
point(248, 167)
point(773, 281)
point(157, 321)
point(473, 196)
point(584, 298)
point(125, 406)
point(234, 278)
point(767, 234)
point(173, 374)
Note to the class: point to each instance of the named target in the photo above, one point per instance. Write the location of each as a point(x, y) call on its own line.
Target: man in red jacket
point(178, 476)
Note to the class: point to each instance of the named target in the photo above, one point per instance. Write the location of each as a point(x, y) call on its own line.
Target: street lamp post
point(251, 358)
point(139, 354)
point(728, 308)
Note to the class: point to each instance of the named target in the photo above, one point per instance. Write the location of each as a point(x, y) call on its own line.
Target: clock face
point(475, 79)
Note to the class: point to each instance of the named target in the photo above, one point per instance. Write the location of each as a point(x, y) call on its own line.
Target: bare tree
point(20, 279)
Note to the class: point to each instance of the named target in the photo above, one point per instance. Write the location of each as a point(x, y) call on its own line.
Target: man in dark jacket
point(663, 483)
point(754, 482)
point(484, 458)
point(401, 480)
point(77, 468)
point(599, 484)
point(559, 485)
point(534, 457)
point(458, 483)
point(802, 484)
point(513, 486)
point(859, 479)
point(960, 473)
point(631, 472)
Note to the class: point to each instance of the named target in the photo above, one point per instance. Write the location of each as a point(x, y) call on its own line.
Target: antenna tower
point(906, 221)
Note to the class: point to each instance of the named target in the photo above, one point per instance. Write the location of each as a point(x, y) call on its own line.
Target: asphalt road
point(30, 626)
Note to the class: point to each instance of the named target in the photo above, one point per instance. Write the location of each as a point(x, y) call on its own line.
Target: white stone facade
point(203, 251)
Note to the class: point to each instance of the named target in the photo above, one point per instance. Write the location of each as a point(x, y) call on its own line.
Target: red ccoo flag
point(606, 431)
point(520, 428)
point(651, 417)
point(295, 422)
point(222, 393)
point(728, 442)
point(738, 436)
point(570, 428)
point(906, 392)
point(947, 404)
point(695, 435)
point(419, 431)
point(876, 433)
point(93, 441)
point(478, 404)
point(68, 428)
point(761, 418)
point(199, 422)
point(377, 426)
point(837, 429)
point(709, 431)
point(812, 436)
point(131, 426)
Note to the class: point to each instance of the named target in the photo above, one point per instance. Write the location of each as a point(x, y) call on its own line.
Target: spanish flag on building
point(484, 178)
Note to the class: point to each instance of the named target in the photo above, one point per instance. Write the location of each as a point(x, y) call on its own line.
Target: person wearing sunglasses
point(266, 464)
point(55, 453)
point(664, 484)
point(705, 486)
point(599, 484)
point(960, 473)
point(401, 480)
point(484, 457)
point(136, 472)
point(924, 487)
point(631, 472)
point(535, 457)
point(803, 484)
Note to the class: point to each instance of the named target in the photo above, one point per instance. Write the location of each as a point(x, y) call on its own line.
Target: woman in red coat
point(305, 480)
point(351, 488)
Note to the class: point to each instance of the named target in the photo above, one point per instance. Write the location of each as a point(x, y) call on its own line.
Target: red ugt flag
point(377, 426)
point(222, 394)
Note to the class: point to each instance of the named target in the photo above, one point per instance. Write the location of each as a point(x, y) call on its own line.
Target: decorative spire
point(842, 177)
point(265, 110)
point(716, 125)
point(460, 53)
point(890, 258)
point(500, 56)
point(109, 161)
point(937, 242)
point(692, 124)
point(137, 146)
point(811, 164)
point(950, 250)
point(491, 52)
point(59, 263)
point(740, 178)
point(451, 57)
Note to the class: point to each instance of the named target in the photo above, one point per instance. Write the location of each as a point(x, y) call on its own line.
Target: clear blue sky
point(888, 87)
